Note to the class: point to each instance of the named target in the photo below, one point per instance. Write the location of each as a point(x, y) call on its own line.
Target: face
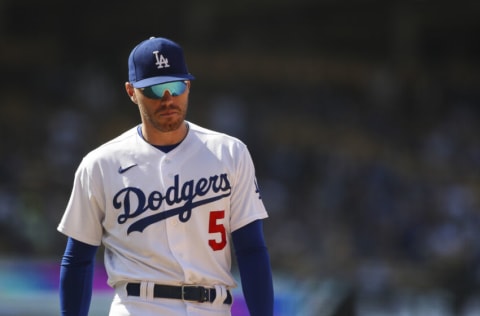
point(164, 115)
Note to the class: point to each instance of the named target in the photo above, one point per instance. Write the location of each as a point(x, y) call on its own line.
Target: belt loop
point(183, 292)
point(150, 291)
point(221, 294)
point(143, 289)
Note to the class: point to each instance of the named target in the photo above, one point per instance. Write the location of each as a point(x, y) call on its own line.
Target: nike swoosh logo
point(122, 170)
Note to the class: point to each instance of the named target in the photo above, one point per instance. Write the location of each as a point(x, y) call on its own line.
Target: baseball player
point(168, 200)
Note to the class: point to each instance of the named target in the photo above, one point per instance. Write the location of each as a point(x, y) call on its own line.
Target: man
point(167, 199)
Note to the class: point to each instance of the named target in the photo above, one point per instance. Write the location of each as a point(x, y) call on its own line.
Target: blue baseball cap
point(157, 60)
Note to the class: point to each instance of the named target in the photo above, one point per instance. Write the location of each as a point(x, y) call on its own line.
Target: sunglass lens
point(175, 88)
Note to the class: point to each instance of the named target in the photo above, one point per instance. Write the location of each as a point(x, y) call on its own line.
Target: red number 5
point(215, 227)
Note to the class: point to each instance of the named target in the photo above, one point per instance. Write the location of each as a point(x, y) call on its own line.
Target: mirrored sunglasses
point(175, 88)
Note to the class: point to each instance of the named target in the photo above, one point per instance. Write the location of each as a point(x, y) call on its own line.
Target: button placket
point(169, 169)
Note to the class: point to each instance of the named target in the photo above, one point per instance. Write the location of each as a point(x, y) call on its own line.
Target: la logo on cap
point(161, 62)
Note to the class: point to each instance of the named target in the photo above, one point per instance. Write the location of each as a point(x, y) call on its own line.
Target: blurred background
point(362, 118)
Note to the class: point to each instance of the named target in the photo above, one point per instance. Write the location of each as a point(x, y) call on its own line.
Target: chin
point(170, 126)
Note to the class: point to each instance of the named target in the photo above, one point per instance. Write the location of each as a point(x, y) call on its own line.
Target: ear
point(131, 92)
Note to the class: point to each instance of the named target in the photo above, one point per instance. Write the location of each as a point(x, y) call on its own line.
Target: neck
point(159, 138)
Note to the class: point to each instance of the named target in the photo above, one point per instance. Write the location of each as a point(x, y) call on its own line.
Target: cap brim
point(158, 80)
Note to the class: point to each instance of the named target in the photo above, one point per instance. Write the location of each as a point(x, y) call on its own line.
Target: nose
point(167, 95)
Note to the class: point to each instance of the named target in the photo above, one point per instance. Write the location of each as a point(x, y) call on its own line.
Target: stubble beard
point(170, 125)
point(165, 125)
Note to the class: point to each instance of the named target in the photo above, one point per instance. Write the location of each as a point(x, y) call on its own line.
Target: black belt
point(186, 292)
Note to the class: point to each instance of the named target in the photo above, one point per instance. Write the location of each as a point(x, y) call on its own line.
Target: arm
point(254, 265)
point(76, 278)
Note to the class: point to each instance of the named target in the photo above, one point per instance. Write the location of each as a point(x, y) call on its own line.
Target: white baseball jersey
point(165, 217)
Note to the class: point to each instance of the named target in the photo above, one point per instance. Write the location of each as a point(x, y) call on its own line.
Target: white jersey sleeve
point(84, 214)
point(246, 200)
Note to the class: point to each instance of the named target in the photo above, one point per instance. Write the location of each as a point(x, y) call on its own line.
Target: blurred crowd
point(370, 173)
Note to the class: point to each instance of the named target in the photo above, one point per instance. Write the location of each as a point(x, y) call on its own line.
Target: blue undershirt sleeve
point(76, 278)
point(255, 271)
